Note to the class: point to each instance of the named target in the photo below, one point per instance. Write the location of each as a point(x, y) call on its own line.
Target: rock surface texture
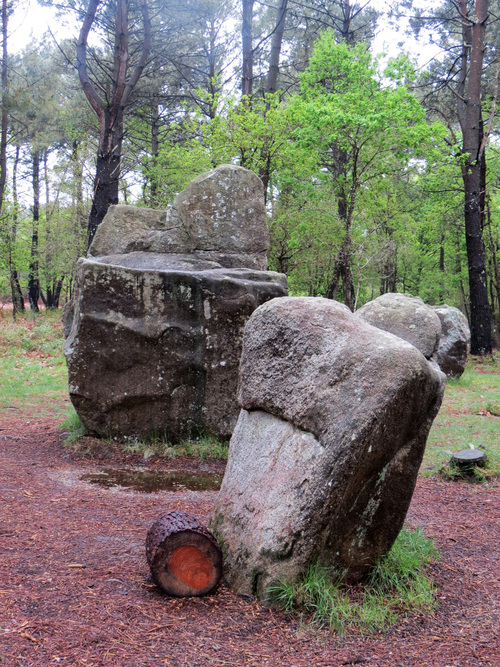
point(220, 216)
point(454, 345)
point(324, 458)
point(154, 338)
point(407, 317)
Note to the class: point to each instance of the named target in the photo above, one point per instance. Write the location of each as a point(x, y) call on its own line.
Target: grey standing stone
point(454, 345)
point(220, 216)
point(223, 214)
point(325, 455)
point(407, 317)
point(155, 342)
point(154, 329)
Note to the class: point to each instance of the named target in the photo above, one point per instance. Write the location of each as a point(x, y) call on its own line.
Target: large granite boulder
point(155, 342)
point(220, 216)
point(407, 317)
point(155, 326)
point(324, 458)
point(454, 344)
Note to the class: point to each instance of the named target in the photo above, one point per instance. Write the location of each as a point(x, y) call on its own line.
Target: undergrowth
point(156, 444)
point(73, 427)
point(201, 447)
point(33, 374)
point(398, 584)
point(469, 417)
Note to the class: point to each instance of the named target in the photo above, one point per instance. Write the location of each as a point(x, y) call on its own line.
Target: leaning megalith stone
point(407, 317)
point(220, 216)
point(155, 326)
point(454, 345)
point(324, 458)
point(156, 341)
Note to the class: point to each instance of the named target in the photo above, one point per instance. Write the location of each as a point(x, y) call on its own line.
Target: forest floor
point(75, 590)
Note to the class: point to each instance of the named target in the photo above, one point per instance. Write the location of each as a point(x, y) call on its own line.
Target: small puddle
point(150, 481)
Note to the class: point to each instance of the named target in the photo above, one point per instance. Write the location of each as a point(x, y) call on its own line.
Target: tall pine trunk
point(473, 171)
point(110, 111)
point(33, 272)
point(107, 176)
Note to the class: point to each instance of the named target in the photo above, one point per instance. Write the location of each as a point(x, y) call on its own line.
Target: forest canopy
point(380, 175)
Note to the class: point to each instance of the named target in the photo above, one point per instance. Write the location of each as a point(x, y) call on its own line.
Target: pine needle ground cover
point(223, 627)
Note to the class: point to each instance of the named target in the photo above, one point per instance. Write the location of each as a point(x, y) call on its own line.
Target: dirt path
point(74, 586)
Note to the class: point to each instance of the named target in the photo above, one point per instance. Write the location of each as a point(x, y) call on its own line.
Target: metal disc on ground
point(184, 557)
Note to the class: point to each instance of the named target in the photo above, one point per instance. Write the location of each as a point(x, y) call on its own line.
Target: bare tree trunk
point(77, 169)
point(10, 232)
point(277, 39)
point(111, 111)
point(246, 36)
point(469, 114)
point(155, 150)
point(5, 115)
point(17, 295)
point(271, 86)
point(495, 262)
point(107, 176)
point(212, 61)
point(345, 207)
point(33, 274)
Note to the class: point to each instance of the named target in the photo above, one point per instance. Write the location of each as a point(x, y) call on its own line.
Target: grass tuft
point(73, 427)
point(397, 584)
point(202, 447)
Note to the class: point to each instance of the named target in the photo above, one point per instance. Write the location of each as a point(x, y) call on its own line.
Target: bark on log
point(183, 556)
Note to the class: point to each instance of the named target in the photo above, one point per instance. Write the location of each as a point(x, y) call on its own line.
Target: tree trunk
point(17, 294)
point(15, 288)
point(277, 39)
point(33, 273)
point(246, 38)
point(272, 85)
point(184, 557)
point(5, 115)
point(212, 61)
point(495, 262)
point(469, 113)
point(110, 112)
point(80, 224)
point(107, 178)
point(155, 150)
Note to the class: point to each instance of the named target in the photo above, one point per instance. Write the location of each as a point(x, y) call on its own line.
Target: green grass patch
point(73, 427)
point(33, 373)
point(202, 447)
point(398, 584)
point(468, 416)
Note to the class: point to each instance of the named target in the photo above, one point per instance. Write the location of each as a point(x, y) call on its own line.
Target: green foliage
point(368, 145)
point(175, 166)
point(397, 584)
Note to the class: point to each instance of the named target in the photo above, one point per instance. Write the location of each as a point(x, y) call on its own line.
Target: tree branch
point(81, 59)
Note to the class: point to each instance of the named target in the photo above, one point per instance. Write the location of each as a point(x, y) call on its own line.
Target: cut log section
point(183, 556)
point(467, 459)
